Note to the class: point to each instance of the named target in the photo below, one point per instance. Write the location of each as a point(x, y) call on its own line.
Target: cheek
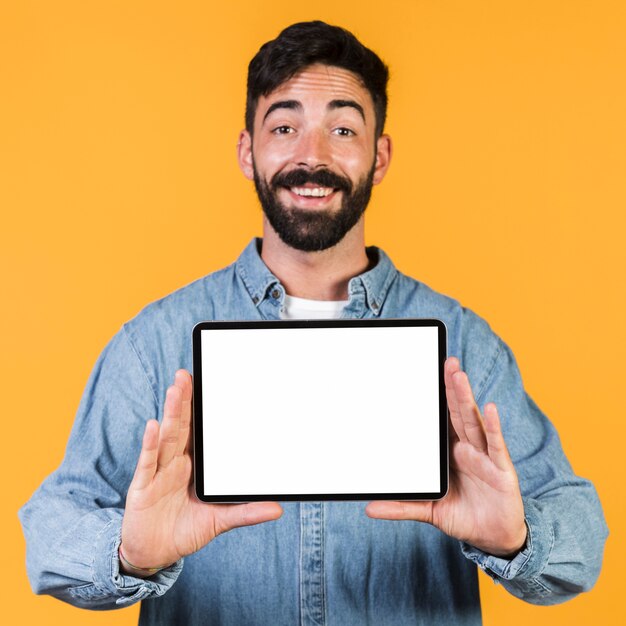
point(270, 158)
point(357, 162)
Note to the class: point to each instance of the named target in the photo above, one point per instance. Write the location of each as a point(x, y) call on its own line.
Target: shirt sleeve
point(72, 523)
point(566, 528)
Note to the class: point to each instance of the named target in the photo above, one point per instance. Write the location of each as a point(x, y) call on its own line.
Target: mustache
point(322, 178)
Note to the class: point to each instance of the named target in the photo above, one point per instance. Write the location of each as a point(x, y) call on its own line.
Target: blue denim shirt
point(321, 562)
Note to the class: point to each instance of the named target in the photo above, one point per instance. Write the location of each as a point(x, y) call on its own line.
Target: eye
point(283, 130)
point(344, 132)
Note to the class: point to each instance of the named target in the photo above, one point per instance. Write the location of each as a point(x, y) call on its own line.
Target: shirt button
point(255, 300)
point(374, 305)
point(276, 294)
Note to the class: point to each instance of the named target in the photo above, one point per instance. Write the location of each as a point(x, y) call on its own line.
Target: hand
point(164, 520)
point(484, 505)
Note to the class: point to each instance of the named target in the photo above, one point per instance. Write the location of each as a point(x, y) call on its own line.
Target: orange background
point(118, 184)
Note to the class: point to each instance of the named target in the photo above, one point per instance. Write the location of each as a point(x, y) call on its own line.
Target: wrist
point(512, 548)
point(135, 570)
point(521, 545)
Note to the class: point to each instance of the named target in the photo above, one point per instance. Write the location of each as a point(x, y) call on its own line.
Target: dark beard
point(313, 230)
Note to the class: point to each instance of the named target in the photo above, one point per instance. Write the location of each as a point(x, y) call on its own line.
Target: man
point(101, 537)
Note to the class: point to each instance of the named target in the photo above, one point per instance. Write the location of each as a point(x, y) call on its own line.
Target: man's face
point(314, 156)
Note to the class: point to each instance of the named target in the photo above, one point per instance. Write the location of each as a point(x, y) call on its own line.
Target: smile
point(316, 192)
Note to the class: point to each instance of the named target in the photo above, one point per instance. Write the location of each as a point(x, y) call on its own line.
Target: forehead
point(322, 82)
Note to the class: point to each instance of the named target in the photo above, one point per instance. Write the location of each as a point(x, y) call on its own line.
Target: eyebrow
point(337, 104)
point(283, 104)
point(297, 105)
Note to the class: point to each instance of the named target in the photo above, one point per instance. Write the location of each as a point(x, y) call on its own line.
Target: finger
point(496, 445)
point(182, 380)
point(229, 516)
point(147, 463)
point(189, 444)
point(170, 427)
point(470, 414)
point(450, 368)
point(384, 509)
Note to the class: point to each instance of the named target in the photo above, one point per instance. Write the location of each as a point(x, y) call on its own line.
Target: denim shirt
point(321, 562)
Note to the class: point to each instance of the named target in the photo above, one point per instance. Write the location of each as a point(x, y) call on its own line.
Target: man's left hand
point(483, 506)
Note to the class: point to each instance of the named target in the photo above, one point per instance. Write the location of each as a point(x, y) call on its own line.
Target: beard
point(313, 230)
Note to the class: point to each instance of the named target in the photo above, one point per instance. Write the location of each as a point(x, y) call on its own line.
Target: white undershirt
point(303, 309)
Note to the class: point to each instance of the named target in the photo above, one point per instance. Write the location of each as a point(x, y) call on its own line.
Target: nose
point(313, 149)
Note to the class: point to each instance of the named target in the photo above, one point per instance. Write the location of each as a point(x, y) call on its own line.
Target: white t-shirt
point(303, 309)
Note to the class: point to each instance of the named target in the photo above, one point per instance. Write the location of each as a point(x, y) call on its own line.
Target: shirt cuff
point(128, 589)
point(530, 562)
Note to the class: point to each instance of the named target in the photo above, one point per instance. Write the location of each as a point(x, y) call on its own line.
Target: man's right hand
point(164, 520)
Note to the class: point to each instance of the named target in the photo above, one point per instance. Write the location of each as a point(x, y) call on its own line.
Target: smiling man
point(113, 525)
point(315, 157)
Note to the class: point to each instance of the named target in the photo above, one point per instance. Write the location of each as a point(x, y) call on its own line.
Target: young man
point(101, 537)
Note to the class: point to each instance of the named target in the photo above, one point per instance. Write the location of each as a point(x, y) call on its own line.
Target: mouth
point(315, 192)
point(311, 195)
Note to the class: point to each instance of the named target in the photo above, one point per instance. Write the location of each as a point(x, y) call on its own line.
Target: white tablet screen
point(333, 410)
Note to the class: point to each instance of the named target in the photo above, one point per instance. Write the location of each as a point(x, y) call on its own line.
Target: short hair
point(303, 44)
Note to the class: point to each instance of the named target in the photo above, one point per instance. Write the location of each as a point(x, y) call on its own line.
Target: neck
point(320, 275)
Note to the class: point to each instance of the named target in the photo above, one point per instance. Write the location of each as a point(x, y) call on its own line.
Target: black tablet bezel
point(353, 323)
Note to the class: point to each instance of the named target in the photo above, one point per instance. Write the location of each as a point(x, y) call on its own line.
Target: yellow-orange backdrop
point(118, 183)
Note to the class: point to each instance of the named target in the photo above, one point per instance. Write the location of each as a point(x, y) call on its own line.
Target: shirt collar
point(375, 282)
point(372, 285)
point(255, 275)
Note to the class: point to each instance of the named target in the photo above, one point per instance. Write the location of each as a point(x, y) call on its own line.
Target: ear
point(244, 154)
point(383, 157)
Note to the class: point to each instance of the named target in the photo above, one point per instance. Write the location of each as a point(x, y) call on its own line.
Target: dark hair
point(300, 45)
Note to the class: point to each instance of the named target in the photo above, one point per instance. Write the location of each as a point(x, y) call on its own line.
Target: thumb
point(385, 509)
point(229, 516)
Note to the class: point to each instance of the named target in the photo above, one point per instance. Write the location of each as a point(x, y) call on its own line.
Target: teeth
point(318, 192)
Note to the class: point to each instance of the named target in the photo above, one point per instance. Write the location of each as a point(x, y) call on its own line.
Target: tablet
point(320, 410)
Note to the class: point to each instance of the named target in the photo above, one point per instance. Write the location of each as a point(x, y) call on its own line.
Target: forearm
point(566, 526)
point(72, 523)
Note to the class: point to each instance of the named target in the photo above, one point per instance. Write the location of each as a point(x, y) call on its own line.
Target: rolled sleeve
point(528, 564)
point(109, 580)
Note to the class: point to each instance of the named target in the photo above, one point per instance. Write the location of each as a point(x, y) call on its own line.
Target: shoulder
point(470, 337)
point(415, 298)
point(160, 334)
point(194, 301)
